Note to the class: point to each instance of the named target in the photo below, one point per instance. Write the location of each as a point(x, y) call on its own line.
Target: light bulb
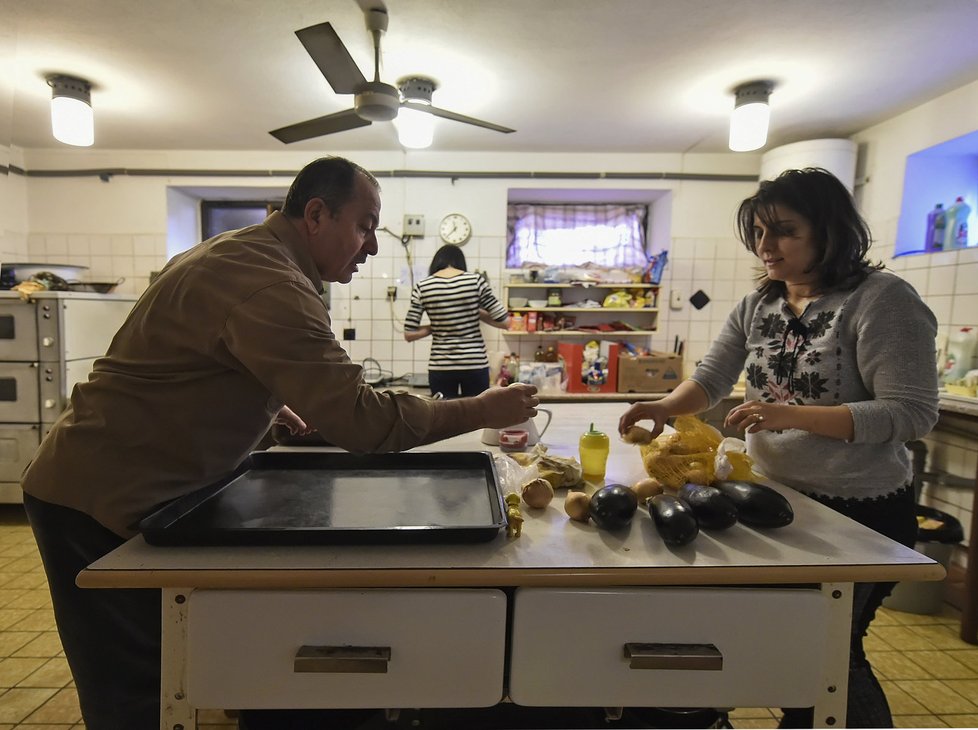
point(72, 118)
point(415, 130)
point(750, 117)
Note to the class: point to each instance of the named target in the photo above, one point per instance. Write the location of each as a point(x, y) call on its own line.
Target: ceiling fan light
point(72, 117)
point(751, 117)
point(415, 130)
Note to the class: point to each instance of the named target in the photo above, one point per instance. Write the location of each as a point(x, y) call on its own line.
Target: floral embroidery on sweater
point(785, 368)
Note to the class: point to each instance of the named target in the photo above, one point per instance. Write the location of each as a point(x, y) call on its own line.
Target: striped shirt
point(453, 305)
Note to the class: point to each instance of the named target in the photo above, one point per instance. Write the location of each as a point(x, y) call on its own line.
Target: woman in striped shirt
point(456, 302)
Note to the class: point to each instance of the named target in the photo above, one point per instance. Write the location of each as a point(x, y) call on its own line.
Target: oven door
point(19, 395)
point(18, 330)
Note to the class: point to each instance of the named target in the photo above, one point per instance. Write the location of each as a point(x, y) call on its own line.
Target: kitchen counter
point(738, 597)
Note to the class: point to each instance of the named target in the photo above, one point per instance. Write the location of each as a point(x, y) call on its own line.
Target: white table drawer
point(447, 648)
point(568, 646)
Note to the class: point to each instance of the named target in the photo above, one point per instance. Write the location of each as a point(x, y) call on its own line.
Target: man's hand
point(288, 418)
point(502, 407)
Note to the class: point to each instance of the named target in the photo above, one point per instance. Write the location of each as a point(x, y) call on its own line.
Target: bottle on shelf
point(960, 352)
point(936, 222)
point(956, 229)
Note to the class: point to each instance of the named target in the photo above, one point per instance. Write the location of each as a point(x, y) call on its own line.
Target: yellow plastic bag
point(687, 455)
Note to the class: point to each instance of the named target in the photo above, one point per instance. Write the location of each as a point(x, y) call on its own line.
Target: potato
point(637, 435)
point(647, 488)
point(577, 505)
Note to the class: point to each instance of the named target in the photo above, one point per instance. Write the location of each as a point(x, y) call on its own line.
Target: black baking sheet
point(290, 498)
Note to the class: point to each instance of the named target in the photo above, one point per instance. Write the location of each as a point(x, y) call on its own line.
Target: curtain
point(573, 235)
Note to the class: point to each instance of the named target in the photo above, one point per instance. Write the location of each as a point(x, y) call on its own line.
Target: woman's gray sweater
point(871, 349)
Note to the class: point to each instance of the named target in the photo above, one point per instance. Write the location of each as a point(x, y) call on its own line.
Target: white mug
point(490, 436)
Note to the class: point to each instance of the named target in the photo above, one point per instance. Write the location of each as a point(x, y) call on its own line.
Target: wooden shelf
point(606, 310)
point(579, 333)
point(577, 285)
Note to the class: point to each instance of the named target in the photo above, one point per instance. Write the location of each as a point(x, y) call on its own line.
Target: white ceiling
point(568, 75)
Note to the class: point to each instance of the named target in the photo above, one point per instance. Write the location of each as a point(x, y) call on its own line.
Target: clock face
point(455, 228)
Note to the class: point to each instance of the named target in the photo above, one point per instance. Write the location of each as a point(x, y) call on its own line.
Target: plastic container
point(936, 223)
point(956, 230)
point(594, 446)
point(960, 353)
point(937, 543)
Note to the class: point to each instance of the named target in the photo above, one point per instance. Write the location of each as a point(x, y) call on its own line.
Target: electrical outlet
point(414, 225)
point(676, 299)
point(392, 293)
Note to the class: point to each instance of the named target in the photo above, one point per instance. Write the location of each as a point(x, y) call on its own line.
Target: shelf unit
point(572, 294)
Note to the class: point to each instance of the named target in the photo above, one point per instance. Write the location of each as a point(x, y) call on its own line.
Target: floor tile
point(62, 709)
point(14, 670)
point(45, 643)
point(52, 673)
point(897, 665)
point(900, 702)
point(967, 688)
point(919, 721)
point(12, 641)
point(903, 636)
point(968, 657)
point(941, 665)
point(936, 696)
point(960, 720)
point(19, 702)
point(745, 713)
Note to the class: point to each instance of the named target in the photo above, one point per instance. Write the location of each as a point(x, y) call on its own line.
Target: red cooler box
point(573, 356)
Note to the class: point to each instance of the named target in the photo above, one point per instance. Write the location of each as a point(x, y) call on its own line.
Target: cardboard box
point(573, 355)
point(659, 372)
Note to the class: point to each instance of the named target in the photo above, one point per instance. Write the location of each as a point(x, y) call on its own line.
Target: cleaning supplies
point(936, 222)
point(960, 352)
point(956, 229)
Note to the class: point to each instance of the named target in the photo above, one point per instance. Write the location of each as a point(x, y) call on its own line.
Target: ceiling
point(614, 76)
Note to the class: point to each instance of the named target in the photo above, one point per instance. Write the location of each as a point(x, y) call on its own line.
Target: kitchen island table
point(563, 616)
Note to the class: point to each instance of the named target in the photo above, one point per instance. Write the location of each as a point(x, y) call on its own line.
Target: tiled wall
point(109, 257)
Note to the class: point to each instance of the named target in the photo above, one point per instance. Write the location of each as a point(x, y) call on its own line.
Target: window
point(573, 235)
point(217, 216)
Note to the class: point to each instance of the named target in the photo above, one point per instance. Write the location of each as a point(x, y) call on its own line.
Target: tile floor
point(929, 674)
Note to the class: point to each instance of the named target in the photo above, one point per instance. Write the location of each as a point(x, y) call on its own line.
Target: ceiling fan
point(374, 101)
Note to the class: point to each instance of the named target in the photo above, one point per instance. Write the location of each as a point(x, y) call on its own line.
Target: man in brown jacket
point(228, 334)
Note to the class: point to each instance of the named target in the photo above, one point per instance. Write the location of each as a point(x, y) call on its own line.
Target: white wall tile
point(966, 278)
point(965, 310)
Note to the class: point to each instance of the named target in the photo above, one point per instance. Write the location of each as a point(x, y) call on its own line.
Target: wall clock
point(455, 228)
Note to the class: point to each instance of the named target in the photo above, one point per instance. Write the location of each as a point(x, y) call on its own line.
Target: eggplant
point(713, 510)
point(674, 519)
point(757, 505)
point(612, 507)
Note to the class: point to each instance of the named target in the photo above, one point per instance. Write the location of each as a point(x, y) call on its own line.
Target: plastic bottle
point(936, 222)
point(960, 351)
point(594, 447)
point(956, 232)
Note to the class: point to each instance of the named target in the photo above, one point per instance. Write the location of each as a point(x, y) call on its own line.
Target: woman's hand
point(754, 415)
point(652, 411)
point(288, 418)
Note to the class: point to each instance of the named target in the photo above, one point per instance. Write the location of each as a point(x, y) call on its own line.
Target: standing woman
point(456, 302)
point(841, 373)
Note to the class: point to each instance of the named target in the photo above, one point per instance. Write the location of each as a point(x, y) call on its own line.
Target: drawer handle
point(702, 657)
point(342, 659)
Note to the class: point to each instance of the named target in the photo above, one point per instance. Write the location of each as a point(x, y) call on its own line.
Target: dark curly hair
point(842, 238)
point(447, 255)
point(331, 178)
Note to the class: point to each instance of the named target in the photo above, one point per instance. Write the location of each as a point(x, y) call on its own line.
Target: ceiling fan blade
point(445, 114)
point(329, 53)
point(339, 122)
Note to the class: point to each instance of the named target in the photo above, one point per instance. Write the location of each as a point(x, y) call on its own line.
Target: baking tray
point(290, 498)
